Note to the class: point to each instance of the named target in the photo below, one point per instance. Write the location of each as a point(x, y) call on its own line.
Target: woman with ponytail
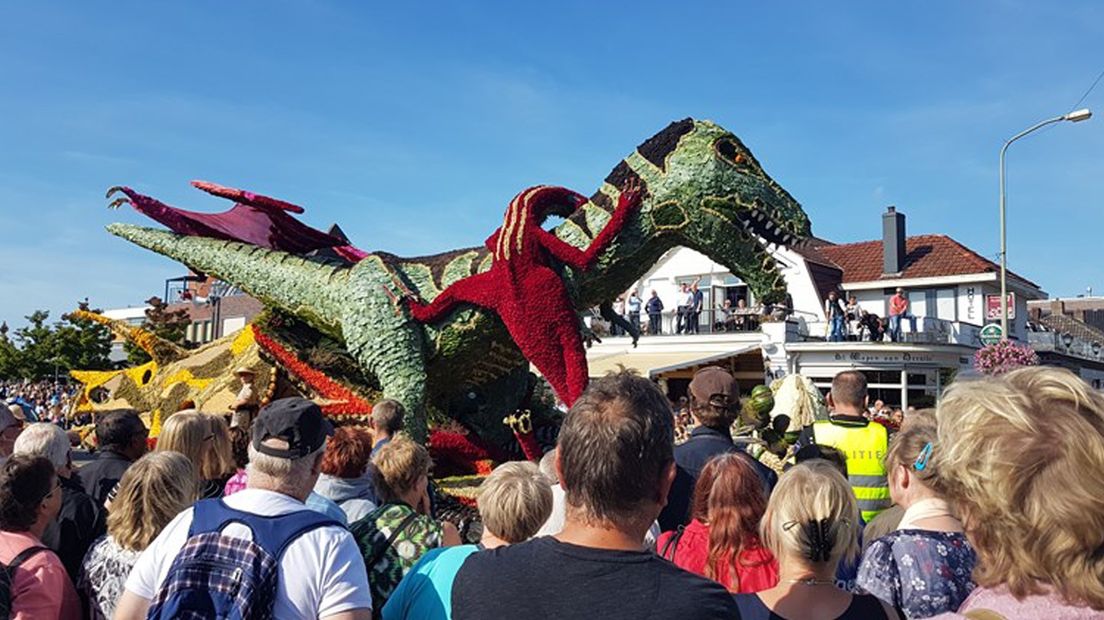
point(721, 542)
point(811, 523)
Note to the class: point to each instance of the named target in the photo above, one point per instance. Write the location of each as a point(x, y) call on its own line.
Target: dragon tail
point(309, 289)
point(162, 351)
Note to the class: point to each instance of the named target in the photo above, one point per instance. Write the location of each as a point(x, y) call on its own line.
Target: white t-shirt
point(321, 572)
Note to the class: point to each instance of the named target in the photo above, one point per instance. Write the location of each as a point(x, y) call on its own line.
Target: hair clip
point(820, 539)
point(922, 460)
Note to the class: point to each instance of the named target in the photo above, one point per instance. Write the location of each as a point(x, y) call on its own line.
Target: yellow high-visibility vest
point(865, 446)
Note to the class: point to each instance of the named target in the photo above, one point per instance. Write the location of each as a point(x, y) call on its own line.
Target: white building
point(947, 285)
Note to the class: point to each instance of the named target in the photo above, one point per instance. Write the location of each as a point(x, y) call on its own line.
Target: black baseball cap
point(297, 421)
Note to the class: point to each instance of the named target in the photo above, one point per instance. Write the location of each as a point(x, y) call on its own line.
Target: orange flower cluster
point(344, 402)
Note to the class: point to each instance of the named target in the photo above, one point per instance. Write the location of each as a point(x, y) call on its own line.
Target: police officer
point(862, 442)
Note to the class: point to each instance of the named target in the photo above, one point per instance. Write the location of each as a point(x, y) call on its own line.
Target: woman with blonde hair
point(811, 524)
point(1021, 459)
point(394, 536)
point(923, 567)
point(151, 493)
point(721, 542)
point(205, 440)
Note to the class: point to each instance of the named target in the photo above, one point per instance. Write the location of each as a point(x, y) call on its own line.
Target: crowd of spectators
point(39, 401)
point(989, 506)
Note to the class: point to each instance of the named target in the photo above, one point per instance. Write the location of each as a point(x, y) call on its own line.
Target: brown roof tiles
point(926, 256)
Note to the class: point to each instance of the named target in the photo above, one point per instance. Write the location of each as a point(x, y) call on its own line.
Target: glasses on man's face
point(57, 486)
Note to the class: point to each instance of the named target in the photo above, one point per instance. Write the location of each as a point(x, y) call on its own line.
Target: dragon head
point(707, 192)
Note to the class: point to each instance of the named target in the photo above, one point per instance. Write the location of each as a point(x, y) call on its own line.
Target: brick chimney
point(893, 241)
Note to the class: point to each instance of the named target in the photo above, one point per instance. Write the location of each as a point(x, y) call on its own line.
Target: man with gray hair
point(78, 523)
point(616, 463)
point(387, 421)
point(320, 572)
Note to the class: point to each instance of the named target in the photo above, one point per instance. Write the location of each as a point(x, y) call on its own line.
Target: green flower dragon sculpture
point(701, 188)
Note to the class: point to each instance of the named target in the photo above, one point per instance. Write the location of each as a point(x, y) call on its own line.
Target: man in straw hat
point(247, 402)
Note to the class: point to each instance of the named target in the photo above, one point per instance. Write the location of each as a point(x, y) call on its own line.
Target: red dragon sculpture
point(526, 292)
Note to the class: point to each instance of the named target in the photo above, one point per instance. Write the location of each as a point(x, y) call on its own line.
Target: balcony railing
point(929, 330)
point(709, 322)
point(1065, 343)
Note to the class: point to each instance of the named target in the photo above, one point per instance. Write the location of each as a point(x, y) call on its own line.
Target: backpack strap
point(273, 534)
point(672, 544)
point(405, 523)
point(23, 556)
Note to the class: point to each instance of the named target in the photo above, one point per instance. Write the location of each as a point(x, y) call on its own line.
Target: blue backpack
point(216, 576)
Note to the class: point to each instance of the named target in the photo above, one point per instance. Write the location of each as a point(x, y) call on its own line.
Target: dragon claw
point(396, 303)
point(404, 290)
point(121, 200)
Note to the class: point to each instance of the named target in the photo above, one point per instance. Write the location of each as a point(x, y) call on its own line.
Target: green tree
point(35, 344)
point(171, 325)
point(9, 355)
point(41, 350)
point(82, 344)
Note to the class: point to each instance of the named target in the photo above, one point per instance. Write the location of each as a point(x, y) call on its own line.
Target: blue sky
point(412, 127)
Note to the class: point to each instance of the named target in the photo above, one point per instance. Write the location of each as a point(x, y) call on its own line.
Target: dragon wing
point(254, 219)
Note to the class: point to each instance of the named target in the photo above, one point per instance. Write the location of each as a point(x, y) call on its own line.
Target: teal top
point(426, 591)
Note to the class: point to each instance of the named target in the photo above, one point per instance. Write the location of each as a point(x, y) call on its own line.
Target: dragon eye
point(728, 151)
point(99, 395)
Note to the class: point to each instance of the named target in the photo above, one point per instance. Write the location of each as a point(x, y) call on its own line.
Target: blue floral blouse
point(920, 572)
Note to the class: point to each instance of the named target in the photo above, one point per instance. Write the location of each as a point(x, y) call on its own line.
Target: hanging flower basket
point(996, 359)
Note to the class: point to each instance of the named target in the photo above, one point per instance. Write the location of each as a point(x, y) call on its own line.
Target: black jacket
point(76, 527)
point(101, 475)
point(690, 457)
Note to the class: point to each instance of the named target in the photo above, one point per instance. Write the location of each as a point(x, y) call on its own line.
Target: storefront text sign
point(884, 358)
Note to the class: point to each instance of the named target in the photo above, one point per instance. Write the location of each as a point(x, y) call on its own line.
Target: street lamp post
point(1075, 117)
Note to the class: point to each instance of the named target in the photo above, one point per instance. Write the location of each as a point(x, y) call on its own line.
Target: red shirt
point(898, 304)
point(756, 566)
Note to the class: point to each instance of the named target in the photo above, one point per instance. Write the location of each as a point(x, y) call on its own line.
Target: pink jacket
point(1002, 602)
point(40, 586)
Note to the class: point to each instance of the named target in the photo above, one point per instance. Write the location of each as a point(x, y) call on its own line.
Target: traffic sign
point(991, 333)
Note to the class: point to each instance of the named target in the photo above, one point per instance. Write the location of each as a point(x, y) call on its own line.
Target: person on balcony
point(746, 318)
point(853, 313)
point(633, 305)
point(899, 309)
point(725, 318)
point(696, 306)
point(654, 307)
point(833, 311)
point(685, 301)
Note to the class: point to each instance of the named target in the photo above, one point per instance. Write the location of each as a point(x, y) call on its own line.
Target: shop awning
point(653, 364)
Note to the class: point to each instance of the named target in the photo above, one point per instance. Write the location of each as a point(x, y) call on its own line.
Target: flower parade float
point(465, 366)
